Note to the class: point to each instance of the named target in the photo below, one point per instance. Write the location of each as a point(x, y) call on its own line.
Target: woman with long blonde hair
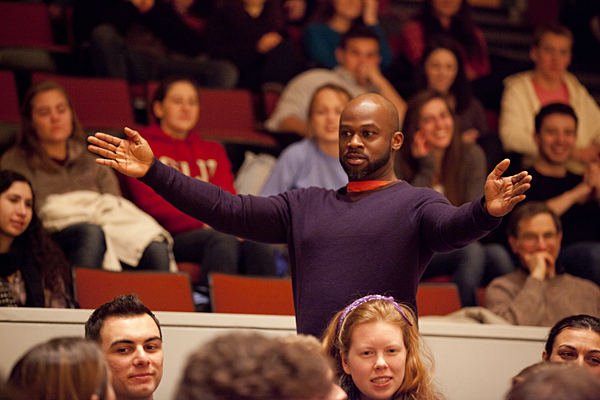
point(377, 351)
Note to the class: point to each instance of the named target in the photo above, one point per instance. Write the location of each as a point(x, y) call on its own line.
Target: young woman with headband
point(375, 346)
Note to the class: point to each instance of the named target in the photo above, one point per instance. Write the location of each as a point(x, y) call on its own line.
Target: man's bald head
point(369, 138)
point(370, 102)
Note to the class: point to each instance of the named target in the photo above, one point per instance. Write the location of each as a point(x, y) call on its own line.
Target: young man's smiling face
point(556, 138)
point(133, 348)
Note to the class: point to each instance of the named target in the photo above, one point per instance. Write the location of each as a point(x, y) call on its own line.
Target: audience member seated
point(525, 93)
point(442, 69)
point(322, 38)
point(251, 34)
point(375, 344)
point(144, 40)
point(358, 72)
point(538, 294)
point(553, 381)
point(129, 335)
point(452, 18)
point(574, 198)
point(251, 366)
point(575, 339)
point(434, 156)
point(314, 161)
point(77, 198)
point(176, 106)
point(33, 270)
point(63, 368)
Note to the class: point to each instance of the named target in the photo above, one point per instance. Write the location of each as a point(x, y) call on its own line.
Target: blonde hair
point(418, 380)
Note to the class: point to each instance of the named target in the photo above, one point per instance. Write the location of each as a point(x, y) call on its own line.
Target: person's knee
point(225, 242)
point(155, 257)
point(220, 73)
point(228, 74)
point(90, 236)
point(106, 34)
point(84, 244)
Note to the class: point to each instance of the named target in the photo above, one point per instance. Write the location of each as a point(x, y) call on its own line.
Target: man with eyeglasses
point(538, 293)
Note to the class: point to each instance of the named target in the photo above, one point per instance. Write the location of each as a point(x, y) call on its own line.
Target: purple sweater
point(341, 246)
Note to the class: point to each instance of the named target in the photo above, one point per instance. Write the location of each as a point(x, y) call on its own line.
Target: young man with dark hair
point(129, 335)
point(358, 72)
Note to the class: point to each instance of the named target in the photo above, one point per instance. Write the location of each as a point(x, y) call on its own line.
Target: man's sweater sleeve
point(263, 219)
point(447, 228)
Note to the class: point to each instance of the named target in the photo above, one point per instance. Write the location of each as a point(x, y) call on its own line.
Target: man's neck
point(151, 397)
point(445, 21)
point(346, 74)
point(551, 170)
point(547, 83)
point(340, 24)
point(254, 10)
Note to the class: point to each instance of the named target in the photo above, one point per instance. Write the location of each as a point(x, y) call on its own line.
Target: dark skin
point(368, 131)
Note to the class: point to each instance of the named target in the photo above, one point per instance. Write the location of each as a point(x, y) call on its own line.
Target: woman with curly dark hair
point(33, 270)
point(452, 18)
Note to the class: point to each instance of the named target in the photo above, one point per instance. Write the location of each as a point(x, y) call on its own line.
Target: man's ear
point(397, 140)
point(533, 56)
point(545, 355)
point(339, 55)
point(536, 138)
point(512, 241)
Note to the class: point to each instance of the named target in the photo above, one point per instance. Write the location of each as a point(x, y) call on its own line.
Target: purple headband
point(366, 299)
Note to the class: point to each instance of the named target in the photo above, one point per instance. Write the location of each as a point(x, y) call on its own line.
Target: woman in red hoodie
point(177, 108)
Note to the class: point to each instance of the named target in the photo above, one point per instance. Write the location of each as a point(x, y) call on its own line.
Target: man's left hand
point(503, 193)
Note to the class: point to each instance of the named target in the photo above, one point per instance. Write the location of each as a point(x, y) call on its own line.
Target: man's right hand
point(541, 265)
point(133, 158)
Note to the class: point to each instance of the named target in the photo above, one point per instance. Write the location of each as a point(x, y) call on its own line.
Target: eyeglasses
point(531, 238)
